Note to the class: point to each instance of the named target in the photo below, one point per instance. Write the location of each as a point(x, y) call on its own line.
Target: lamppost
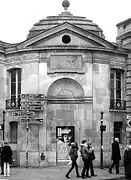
point(102, 128)
point(3, 125)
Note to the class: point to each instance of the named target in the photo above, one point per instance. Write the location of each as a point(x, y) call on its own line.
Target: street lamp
point(102, 128)
point(3, 125)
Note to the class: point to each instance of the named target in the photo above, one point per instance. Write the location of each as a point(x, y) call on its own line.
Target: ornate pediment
point(66, 34)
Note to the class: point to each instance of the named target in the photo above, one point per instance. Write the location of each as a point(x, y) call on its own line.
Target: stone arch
point(65, 88)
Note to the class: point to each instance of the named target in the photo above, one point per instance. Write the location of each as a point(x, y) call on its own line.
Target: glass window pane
point(19, 75)
point(118, 74)
point(118, 84)
point(13, 76)
point(118, 94)
point(13, 88)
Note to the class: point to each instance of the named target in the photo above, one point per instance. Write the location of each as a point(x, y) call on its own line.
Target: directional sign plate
point(24, 114)
point(32, 96)
point(31, 120)
point(31, 102)
point(128, 129)
point(34, 108)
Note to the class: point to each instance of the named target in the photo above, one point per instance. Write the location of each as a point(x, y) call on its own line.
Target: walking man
point(115, 157)
point(73, 155)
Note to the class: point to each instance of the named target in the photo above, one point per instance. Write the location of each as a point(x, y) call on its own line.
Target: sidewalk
point(57, 173)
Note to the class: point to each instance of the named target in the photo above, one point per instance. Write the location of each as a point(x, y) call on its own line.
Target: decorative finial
point(65, 4)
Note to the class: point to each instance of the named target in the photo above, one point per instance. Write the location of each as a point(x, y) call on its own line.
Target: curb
point(114, 178)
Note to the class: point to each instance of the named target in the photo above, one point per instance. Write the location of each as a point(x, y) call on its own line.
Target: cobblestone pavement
point(57, 173)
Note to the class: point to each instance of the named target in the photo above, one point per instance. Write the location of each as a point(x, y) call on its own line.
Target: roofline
point(123, 22)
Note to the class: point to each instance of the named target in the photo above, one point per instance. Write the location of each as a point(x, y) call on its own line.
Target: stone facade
point(71, 66)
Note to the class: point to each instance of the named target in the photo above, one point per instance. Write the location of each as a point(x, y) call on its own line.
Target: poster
point(65, 135)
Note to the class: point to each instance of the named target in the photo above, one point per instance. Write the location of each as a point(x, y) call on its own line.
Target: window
point(66, 39)
point(118, 125)
point(13, 132)
point(15, 83)
point(116, 85)
point(116, 89)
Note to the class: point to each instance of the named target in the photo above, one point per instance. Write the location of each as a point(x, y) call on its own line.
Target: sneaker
point(8, 175)
point(5, 175)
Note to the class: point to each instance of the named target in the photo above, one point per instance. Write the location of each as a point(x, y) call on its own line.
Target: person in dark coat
point(1, 158)
point(115, 157)
point(73, 155)
point(85, 152)
point(7, 155)
point(91, 158)
point(127, 161)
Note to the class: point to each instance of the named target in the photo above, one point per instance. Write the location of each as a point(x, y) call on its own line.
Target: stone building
point(67, 59)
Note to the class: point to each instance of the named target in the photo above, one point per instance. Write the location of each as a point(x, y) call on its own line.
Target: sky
point(17, 17)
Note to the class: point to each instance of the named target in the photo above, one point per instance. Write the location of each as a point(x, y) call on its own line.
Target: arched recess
point(65, 88)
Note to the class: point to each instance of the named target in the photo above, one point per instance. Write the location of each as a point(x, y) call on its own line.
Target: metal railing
point(13, 104)
point(117, 104)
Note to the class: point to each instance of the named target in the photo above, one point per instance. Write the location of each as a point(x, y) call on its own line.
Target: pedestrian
point(115, 157)
point(7, 155)
point(1, 158)
point(73, 156)
point(85, 152)
point(127, 161)
point(91, 158)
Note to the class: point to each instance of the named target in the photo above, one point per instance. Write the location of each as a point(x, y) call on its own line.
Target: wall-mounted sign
point(32, 96)
point(31, 120)
point(24, 113)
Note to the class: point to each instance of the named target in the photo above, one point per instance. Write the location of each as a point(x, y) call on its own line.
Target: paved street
point(56, 173)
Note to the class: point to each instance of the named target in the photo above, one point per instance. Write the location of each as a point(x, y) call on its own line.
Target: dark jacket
point(6, 153)
point(85, 152)
point(115, 152)
point(73, 152)
point(127, 161)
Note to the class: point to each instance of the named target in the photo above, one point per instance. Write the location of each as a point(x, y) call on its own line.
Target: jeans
point(6, 168)
point(85, 168)
point(74, 164)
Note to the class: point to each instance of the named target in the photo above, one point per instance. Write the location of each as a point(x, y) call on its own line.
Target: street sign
point(128, 129)
point(128, 117)
point(31, 120)
point(25, 102)
point(34, 108)
point(24, 113)
point(32, 96)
